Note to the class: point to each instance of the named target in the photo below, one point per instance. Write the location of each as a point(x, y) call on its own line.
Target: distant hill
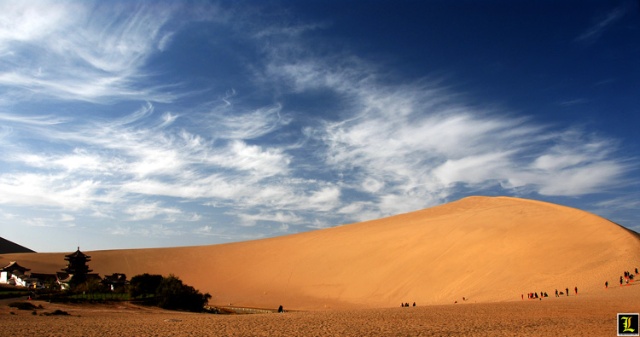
point(7, 247)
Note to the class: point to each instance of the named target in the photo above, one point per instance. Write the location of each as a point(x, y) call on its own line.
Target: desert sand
point(589, 314)
point(466, 264)
point(485, 249)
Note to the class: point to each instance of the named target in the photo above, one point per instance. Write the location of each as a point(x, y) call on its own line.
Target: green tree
point(144, 285)
point(173, 294)
point(89, 286)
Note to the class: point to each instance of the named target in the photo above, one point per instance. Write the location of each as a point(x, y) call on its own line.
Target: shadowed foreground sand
point(591, 314)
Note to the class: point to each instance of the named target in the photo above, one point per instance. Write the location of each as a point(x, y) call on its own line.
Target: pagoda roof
point(13, 265)
point(78, 254)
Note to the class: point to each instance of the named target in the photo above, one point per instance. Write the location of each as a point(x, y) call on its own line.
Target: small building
point(66, 280)
point(14, 274)
point(63, 279)
point(115, 282)
point(42, 280)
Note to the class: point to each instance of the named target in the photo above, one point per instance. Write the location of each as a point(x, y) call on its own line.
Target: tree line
point(167, 292)
point(149, 289)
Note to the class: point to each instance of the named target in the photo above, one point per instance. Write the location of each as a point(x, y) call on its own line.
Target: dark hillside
point(7, 247)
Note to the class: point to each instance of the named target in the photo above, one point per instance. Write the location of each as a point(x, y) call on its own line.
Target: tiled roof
point(14, 266)
point(78, 254)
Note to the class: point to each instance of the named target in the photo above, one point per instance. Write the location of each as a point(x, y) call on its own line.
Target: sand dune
point(481, 248)
point(7, 247)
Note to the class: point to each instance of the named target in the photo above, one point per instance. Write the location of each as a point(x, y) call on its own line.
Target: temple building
point(77, 268)
point(115, 282)
point(14, 274)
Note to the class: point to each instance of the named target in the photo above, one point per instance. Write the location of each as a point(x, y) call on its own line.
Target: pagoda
point(77, 266)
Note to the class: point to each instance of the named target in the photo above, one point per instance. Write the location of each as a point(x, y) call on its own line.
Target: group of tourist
point(534, 295)
point(627, 277)
point(624, 279)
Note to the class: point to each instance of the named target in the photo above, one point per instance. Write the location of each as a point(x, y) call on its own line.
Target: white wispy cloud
point(148, 231)
point(25, 22)
point(47, 222)
point(112, 162)
point(31, 120)
point(260, 161)
point(145, 211)
point(77, 160)
point(415, 145)
point(279, 217)
point(47, 190)
point(249, 125)
point(631, 202)
point(594, 32)
point(80, 50)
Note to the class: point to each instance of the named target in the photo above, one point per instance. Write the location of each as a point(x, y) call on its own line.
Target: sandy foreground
point(590, 314)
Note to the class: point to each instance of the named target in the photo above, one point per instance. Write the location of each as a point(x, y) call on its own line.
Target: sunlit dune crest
point(485, 249)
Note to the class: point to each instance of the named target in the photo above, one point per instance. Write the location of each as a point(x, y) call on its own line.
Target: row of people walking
point(566, 291)
point(534, 295)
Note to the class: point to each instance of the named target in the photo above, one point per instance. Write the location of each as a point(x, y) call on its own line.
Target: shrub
point(57, 312)
point(173, 294)
point(144, 285)
point(89, 286)
point(22, 305)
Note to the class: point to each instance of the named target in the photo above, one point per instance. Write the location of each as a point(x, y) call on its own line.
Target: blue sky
point(153, 124)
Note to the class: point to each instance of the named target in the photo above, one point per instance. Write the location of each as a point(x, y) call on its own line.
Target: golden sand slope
point(484, 249)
